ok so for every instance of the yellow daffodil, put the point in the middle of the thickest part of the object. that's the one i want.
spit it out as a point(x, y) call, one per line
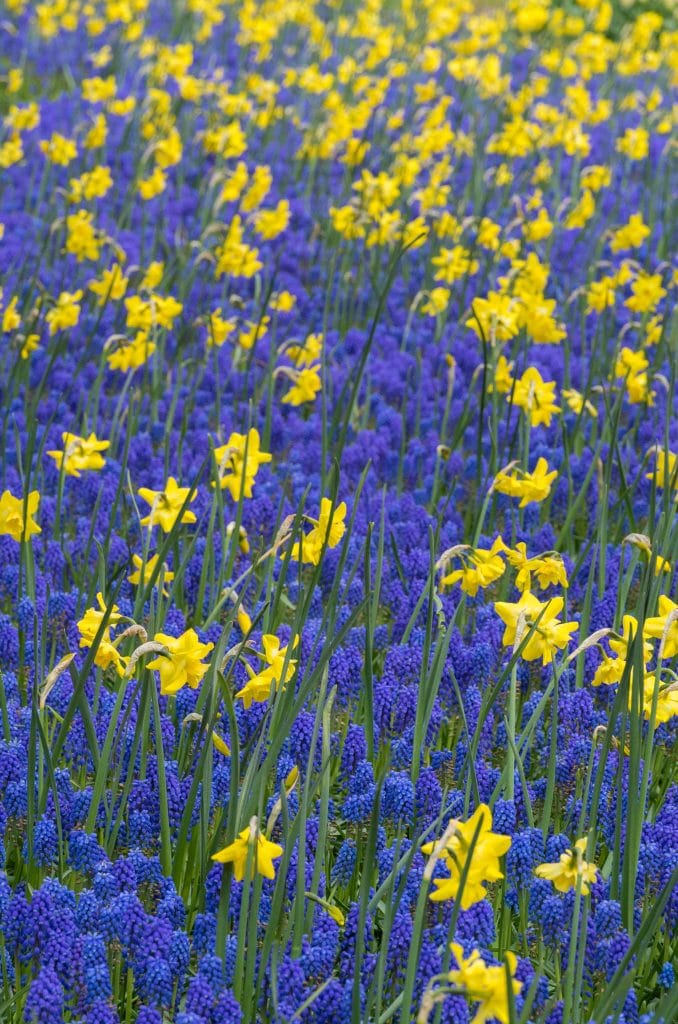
point(106, 654)
point(238, 463)
point(80, 453)
point(65, 312)
point(529, 487)
point(183, 666)
point(549, 636)
point(571, 867)
point(535, 396)
point(456, 850)
point(251, 845)
point(166, 505)
point(273, 675)
point(664, 626)
point(309, 549)
point(13, 523)
point(482, 566)
point(488, 986)
point(136, 577)
point(306, 385)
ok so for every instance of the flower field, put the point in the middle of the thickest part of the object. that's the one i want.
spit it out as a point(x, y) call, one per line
point(338, 512)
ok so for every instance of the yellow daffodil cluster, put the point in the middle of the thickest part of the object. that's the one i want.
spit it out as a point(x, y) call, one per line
point(659, 688)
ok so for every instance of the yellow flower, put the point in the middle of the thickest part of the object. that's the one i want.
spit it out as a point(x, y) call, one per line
point(487, 986)
point(529, 487)
point(166, 505)
point(601, 294)
point(631, 235)
point(31, 344)
point(234, 257)
point(620, 644)
point(666, 698)
point(539, 228)
point(132, 355)
point(96, 136)
point(660, 628)
point(235, 183)
point(10, 318)
point(309, 549)
point(15, 80)
point(65, 312)
point(165, 310)
point(346, 221)
point(260, 184)
point(456, 850)
point(153, 276)
point(253, 846)
point(634, 143)
point(283, 302)
point(153, 185)
point(494, 318)
point(238, 463)
point(595, 177)
point(306, 354)
point(220, 744)
point(549, 569)
point(548, 636)
point(106, 654)
point(98, 90)
point(647, 291)
point(535, 396)
point(454, 264)
point(11, 151)
point(183, 666)
point(578, 403)
point(59, 150)
point(631, 366)
point(258, 687)
point(436, 302)
point(531, 17)
point(482, 567)
point(91, 620)
point(139, 313)
point(306, 385)
point(218, 329)
point(149, 568)
point(503, 381)
point(94, 184)
point(82, 240)
point(271, 223)
point(168, 151)
point(666, 472)
point(80, 453)
point(581, 214)
point(111, 285)
point(565, 872)
point(538, 319)
point(488, 234)
point(12, 521)
point(248, 338)
point(609, 671)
